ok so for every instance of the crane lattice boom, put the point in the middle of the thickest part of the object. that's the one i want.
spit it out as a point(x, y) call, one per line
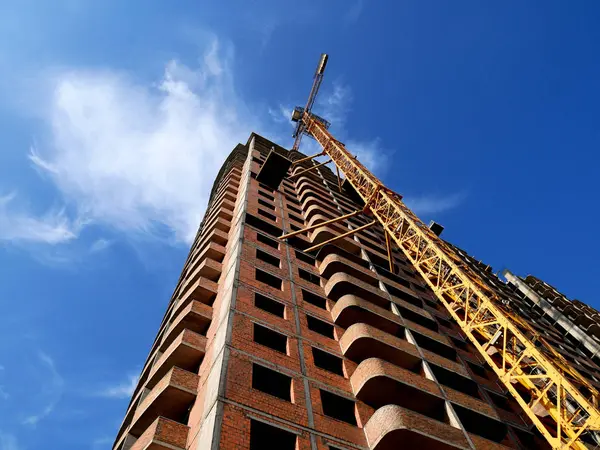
point(522, 360)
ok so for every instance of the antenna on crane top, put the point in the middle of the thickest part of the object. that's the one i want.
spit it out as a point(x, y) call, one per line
point(299, 110)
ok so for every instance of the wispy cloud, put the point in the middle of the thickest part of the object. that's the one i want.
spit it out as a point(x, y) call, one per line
point(141, 157)
point(123, 389)
point(19, 226)
point(354, 12)
point(8, 441)
point(52, 390)
point(100, 245)
point(434, 204)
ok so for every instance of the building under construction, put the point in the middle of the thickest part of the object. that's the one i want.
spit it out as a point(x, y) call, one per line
point(316, 311)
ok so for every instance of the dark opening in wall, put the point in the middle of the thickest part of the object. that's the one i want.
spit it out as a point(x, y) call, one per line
point(339, 408)
point(269, 338)
point(263, 437)
point(305, 257)
point(455, 381)
point(458, 343)
point(265, 195)
point(481, 425)
point(296, 218)
point(318, 326)
point(477, 370)
point(269, 305)
point(296, 210)
point(434, 346)
point(417, 318)
point(265, 187)
point(267, 241)
point(404, 296)
point(267, 278)
point(271, 382)
point(263, 226)
point(266, 204)
point(310, 277)
point(327, 361)
point(266, 214)
point(268, 258)
point(501, 401)
point(314, 299)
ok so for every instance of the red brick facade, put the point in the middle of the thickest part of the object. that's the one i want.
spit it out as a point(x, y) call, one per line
point(351, 356)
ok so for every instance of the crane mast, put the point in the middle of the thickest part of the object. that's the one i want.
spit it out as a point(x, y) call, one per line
point(536, 375)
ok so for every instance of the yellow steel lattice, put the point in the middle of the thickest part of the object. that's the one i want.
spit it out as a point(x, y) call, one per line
point(559, 401)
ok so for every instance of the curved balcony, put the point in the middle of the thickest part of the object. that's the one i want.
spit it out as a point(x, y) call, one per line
point(361, 341)
point(195, 317)
point(378, 383)
point(349, 310)
point(170, 398)
point(163, 434)
point(325, 233)
point(392, 424)
point(332, 264)
point(185, 352)
point(341, 284)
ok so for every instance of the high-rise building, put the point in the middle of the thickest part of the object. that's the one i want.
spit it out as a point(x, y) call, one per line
point(265, 346)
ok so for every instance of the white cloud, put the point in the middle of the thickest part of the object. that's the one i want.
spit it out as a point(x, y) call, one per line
point(100, 245)
point(434, 204)
point(121, 390)
point(281, 114)
point(8, 441)
point(52, 390)
point(20, 226)
point(141, 157)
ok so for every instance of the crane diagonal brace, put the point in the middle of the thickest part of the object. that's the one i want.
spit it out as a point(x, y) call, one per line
point(449, 277)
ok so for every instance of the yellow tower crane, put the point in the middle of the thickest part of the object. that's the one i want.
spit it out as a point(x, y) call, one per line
point(561, 403)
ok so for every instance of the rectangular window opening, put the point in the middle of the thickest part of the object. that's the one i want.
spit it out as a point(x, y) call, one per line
point(296, 218)
point(318, 326)
point(455, 381)
point(265, 195)
point(266, 204)
point(434, 346)
point(327, 361)
point(314, 299)
point(263, 226)
point(269, 338)
point(337, 407)
point(294, 209)
point(269, 305)
point(418, 318)
point(310, 277)
point(305, 257)
point(267, 278)
point(268, 215)
point(271, 382)
point(263, 436)
point(268, 258)
point(267, 241)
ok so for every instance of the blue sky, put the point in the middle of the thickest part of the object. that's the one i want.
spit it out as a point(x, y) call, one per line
point(115, 116)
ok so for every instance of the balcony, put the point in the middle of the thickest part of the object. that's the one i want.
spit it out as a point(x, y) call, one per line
point(392, 424)
point(201, 289)
point(171, 398)
point(333, 264)
point(350, 309)
point(185, 352)
point(361, 341)
point(163, 434)
point(341, 284)
point(378, 383)
point(195, 317)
